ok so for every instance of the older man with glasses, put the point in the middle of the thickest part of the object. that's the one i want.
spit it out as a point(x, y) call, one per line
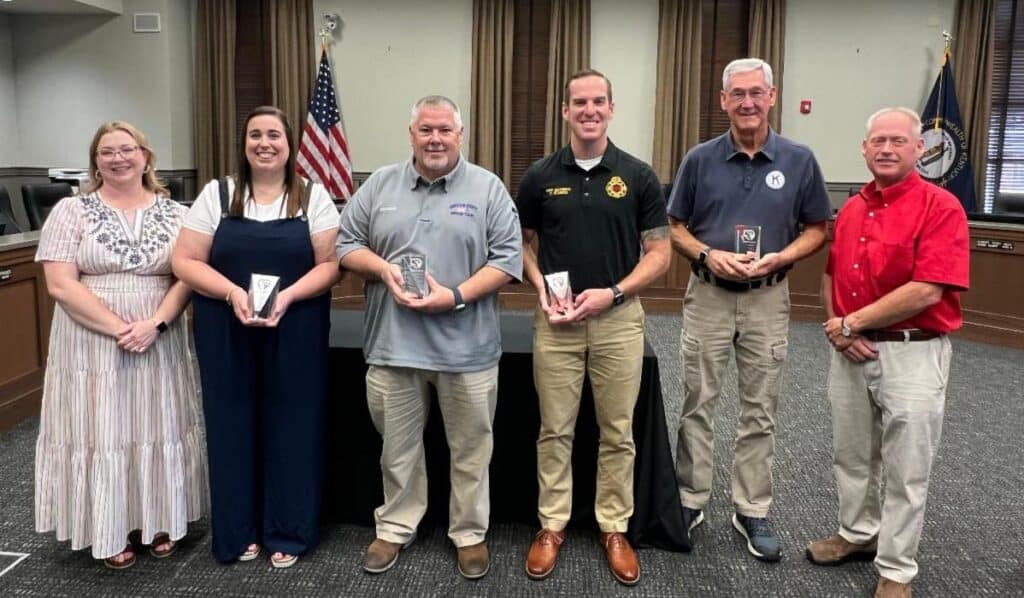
point(745, 206)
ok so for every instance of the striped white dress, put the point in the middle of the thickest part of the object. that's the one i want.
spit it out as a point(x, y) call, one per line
point(120, 442)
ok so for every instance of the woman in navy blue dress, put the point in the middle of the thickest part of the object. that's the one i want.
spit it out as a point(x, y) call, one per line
point(264, 380)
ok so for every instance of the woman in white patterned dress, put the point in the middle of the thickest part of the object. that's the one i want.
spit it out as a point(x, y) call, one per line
point(120, 445)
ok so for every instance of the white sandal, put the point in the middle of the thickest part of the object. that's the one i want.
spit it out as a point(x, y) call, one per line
point(251, 552)
point(286, 561)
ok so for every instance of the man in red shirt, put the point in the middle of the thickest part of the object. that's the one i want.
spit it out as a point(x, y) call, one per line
point(899, 258)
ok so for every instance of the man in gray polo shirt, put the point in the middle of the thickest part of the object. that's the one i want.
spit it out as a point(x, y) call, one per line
point(744, 208)
point(460, 219)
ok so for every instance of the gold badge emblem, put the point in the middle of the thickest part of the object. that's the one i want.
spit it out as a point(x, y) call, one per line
point(616, 188)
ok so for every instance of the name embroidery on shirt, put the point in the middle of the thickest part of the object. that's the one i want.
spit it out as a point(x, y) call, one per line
point(558, 191)
point(616, 188)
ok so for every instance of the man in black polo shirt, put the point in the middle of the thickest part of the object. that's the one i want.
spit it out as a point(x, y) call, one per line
point(592, 208)
point(744, 207)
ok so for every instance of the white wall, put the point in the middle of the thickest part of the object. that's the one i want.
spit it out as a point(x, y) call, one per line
point(630, 61)
point(8, 106)
point(389, 54)
point(74, 72)
point(851, 58)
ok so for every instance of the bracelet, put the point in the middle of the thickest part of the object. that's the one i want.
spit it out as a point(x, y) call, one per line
point(227, 298)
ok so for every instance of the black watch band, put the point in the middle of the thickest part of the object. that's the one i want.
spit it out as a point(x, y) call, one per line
point(617, 296)
point(459, 303)
point(161, 327)
point(702, 257)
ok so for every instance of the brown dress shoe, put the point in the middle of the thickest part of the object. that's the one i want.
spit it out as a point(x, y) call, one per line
point(474, 561)
point(837, 550)
point(381, 555)
point(888, 588)
point(543, 555)
point(621, 558)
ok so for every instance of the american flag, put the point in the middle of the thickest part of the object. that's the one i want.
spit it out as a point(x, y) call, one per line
point(323, 153)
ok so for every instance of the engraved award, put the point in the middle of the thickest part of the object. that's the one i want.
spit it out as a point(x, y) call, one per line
point(263, 289)
point(559, 291)
point(748, 240)
point(414, 273)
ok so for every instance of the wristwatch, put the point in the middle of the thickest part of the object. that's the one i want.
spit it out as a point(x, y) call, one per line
point(459, 303)
point(702, 257)
point(617, 296)
point(161, 327)
point(844, 329)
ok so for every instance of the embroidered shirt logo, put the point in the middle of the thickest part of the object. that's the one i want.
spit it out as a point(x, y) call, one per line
point(775, 179)
point(462, 209)
point(616, 188)
point(558, 191)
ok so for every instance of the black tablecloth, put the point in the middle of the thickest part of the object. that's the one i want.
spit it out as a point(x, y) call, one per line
point(353, 480)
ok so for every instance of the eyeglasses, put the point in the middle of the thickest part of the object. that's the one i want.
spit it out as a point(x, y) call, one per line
point(109, 153)
point(879, 142)
point(756, 95)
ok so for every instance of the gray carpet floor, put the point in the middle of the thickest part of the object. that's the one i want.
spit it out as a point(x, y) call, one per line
point(972, 544)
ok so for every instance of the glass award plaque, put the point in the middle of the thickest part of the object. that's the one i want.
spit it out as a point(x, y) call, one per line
point(559, 291)
point(748, 240)
point(414, 273)
point(263, 289)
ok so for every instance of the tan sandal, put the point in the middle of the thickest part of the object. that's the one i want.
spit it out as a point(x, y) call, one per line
point(251, 552)
point(163, 546)
point(113, 563)
point(285, 560)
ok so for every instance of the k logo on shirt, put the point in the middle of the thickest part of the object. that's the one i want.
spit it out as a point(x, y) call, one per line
point(775, 179)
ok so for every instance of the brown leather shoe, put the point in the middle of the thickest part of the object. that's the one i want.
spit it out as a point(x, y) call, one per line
point(888, 588)
point(381, 555)
point(474, 561)
point(621, 558)
point(837, 550)
point(543, 555)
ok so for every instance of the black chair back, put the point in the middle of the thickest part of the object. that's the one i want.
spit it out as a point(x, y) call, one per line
point(8, 225)
point(175, 187)
point(40, 199)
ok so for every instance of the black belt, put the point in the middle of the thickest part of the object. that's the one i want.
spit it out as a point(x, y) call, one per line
point(898, 336)
point(737, 286)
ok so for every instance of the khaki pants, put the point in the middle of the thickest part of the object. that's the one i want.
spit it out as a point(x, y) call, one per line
point(399, 401)
point(610, 347)
point(717, 323)
point(887, 420)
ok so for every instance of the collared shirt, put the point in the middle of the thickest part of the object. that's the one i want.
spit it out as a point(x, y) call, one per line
point(461, 222)
point(589, 222)
point(911, 231)
point(718, 188)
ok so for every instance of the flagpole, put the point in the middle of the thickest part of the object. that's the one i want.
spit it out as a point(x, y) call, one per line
point(947, 38)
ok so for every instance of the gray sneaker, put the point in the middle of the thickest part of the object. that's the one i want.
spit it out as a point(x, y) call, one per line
point(761, 540)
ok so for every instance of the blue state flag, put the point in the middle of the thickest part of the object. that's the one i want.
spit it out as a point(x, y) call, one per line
point(945, 161)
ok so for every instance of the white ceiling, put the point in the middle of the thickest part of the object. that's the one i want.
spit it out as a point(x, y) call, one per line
point(62, 7)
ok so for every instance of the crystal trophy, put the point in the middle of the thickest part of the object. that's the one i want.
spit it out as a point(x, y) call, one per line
point(748, 240)
point(263, 289)
point(559, 291)
point(414, 273)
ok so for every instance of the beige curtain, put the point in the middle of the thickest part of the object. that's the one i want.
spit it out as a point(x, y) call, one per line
point(568, 52)
point(214, 89)
point(294, 52)
point(490, 133)
point(677, 91)
point(767, 41)
point(974, 31)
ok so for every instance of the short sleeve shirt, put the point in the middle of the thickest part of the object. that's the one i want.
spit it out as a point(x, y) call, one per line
point(718, 188)
point(910, 231)
point(460, 223)
point(205, 214)
point(589, 222)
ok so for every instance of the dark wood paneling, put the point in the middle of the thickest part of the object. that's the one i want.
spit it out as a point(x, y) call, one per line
point(25, 313)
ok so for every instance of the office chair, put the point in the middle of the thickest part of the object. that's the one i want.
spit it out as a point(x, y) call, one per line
point(40, 199)
point(8, 225)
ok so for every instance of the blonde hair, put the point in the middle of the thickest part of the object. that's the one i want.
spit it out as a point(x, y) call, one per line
point(149, 179)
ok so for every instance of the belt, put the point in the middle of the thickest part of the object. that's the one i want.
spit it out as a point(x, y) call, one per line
point(738, 286)
point(898, 336)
